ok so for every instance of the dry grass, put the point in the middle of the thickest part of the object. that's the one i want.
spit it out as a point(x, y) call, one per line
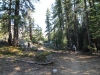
point(15, 51)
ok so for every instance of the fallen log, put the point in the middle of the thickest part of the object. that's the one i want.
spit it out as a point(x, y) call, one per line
point(33, 62)
point(46, 63)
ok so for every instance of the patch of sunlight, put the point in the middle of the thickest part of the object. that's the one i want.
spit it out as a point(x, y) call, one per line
point(84, 57)
point(92, 71)
point(41, 48)
point(89, 72)
point(65, 57)
point(71, 59)
point(86, 73)
point(81, 61)
point(14, 73)
point(75, 72)
point(17, 68)
point(48, 73)
point(28, 70)
point(31, 54)
point(62, 67)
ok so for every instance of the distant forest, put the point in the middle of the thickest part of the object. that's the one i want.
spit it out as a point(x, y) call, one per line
point(74, 22)
point(68, 22)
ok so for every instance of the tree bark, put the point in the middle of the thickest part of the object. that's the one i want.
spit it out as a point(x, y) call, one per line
point(76, 26)
point(9, 25)
point(15, 40)
point(30, 28)
point(87, 22)
point(68, 28)
point(87, 33)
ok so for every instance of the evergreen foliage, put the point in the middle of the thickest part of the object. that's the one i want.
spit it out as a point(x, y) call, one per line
point(68, 22)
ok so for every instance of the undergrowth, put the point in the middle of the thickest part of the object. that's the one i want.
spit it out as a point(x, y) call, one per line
point(42, 56)
point(15, 51)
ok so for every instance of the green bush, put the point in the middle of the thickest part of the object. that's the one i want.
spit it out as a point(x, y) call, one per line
point(92, 49)
point(34, 40)
point(42, 56)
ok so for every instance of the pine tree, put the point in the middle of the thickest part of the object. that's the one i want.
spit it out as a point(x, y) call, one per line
point(48, 24)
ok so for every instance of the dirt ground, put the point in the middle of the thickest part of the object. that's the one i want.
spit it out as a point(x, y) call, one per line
point(65, 63)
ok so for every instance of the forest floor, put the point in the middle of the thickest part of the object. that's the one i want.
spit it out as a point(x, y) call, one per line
point(66, 64)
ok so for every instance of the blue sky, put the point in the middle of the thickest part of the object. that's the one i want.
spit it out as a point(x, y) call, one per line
point(40, 12)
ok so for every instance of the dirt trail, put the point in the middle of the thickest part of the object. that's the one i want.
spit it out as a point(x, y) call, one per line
point(66, 64)
point(77, 64)
point(74, 65)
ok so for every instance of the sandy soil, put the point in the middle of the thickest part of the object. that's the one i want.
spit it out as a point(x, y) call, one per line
point(65, 63)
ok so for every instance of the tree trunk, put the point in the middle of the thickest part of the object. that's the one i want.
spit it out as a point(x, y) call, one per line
point(9, 25)
point(76, 26)
point(68, 34)
point(30, 33)
point(30, 27)
point(87, 22)
point(15, 40)
point(86, 38)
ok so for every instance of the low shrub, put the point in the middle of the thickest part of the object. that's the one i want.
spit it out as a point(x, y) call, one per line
point(28, 54)
point(10, 50)
point(41, 56)
point(92, 49)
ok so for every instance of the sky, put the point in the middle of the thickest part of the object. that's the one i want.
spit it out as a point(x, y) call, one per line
point(40, 12)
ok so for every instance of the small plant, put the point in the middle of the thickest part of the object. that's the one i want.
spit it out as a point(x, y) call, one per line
point(42, 56)
point(10, 50)
point(89, 47)
point(92, 49)
point(28, 54)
